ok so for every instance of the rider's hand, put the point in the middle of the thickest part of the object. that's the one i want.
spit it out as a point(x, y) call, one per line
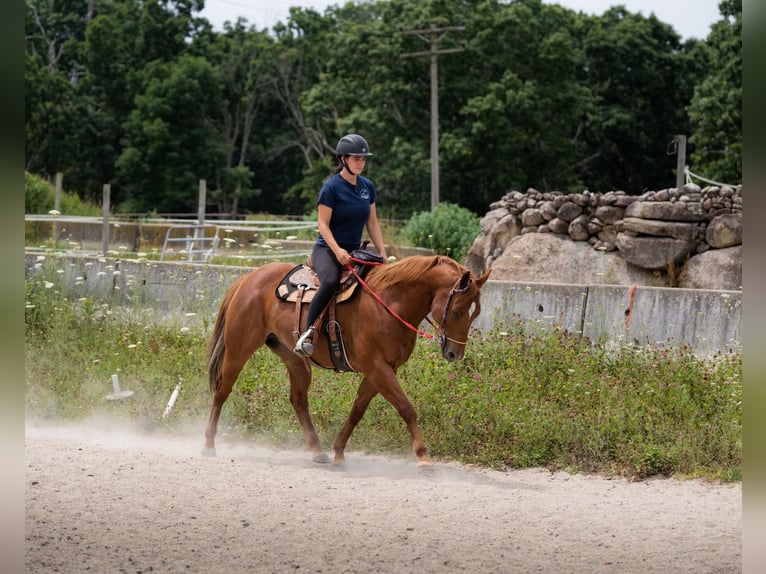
point(343, 257)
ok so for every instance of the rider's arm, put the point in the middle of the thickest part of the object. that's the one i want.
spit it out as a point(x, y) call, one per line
point(323, 221)
point(373, 228)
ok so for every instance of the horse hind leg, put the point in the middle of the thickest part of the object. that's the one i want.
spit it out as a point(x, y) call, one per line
point(364, 395)
point(225, 383)
point(300, 379)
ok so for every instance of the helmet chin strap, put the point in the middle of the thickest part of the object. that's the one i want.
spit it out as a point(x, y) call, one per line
point(345, 164)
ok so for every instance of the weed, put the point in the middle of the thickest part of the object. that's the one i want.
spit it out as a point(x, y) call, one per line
point(520, 398)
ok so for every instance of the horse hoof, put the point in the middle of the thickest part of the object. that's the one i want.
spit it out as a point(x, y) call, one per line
point(208, 452)
point(426, 466)
point(321, 458)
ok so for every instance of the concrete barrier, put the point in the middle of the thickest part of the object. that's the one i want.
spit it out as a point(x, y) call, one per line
point(707, 321)
point(504, 303)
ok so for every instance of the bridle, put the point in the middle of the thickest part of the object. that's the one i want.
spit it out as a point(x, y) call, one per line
point(440, 330)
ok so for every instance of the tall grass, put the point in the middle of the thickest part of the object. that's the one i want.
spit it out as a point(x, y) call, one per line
point(519, 399)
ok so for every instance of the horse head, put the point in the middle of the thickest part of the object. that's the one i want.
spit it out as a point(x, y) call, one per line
point(458, 306)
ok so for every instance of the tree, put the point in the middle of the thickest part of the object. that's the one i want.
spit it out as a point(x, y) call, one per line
point(716, 107)
point(520, 123)
point(52, 65)
point(124, 39)
point(238, 57)
point(638, 72)
point(145, 95)
point(171, 136)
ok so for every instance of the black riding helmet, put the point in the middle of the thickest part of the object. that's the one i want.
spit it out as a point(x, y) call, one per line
point(351, 144)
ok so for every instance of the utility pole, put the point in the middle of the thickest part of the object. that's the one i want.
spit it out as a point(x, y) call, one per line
point(434, 34)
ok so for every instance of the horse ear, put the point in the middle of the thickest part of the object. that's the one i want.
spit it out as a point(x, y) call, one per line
point(483, 279)
point(465, 280)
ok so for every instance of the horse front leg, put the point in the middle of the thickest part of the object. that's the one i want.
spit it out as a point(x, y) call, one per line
point(387, 385)
point(364, 395)
point(405, 409)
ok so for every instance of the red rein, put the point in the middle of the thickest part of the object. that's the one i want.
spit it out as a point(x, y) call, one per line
point(385, 306)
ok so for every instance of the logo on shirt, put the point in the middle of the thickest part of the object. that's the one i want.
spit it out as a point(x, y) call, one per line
point(364, 193)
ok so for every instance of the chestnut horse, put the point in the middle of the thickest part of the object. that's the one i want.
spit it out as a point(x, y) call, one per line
point(377, 342)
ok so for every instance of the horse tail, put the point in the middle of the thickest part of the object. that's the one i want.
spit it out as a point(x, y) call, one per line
point(216, 347)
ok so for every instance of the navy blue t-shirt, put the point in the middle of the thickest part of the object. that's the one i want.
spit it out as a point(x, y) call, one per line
point(350, 209)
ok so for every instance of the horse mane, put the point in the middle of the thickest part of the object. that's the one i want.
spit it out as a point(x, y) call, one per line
point(408, 270)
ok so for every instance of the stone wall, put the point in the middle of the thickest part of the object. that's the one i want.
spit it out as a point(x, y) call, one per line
point(658, 232)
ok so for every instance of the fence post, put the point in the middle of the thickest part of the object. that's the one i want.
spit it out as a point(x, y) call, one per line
point(105, 218)
point(680, 162)
point(57, 207)
point(199, 232)
point(201, 202)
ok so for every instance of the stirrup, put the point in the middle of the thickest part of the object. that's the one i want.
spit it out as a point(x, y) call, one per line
point(305, 344)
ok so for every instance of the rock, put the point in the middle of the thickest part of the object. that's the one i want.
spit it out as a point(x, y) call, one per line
point(674, 229)
point(569, 212)
point(608, 237)
point(666, 211)
point(609, 213)
point(547, 258)
point(578, 229)
point(559, 226)
point(531, 218)
point(714, 269)
point(547, 210)
point(595, 225)
point(624, 200)
point(492, 217)
point(654, 252)
point(506, 227)
point(724, 231)
point(660, 232)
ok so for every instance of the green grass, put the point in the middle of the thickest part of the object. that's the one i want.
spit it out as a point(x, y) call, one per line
point(518, 399)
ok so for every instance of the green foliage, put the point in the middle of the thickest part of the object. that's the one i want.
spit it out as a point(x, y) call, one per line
point(39, 195)
point(716, 108)
point(171, 143)
point(147, 97)
point(520, 398)
point(40, 198)
point(642, 80)
point(448, 230)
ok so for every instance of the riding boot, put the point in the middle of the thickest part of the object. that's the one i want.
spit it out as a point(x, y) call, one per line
point(305, 344)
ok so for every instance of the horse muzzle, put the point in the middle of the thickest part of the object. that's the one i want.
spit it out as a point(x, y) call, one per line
point(453, 352)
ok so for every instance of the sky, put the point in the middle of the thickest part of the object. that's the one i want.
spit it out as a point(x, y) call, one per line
point(689, 18)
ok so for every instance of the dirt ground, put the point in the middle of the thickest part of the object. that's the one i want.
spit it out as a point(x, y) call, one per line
point(113, 501)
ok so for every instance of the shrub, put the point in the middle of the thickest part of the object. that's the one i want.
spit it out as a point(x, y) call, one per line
point(39, 195)
point(40, 198)
point(449, 230)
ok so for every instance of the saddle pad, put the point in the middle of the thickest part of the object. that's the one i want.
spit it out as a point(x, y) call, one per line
point(301, 276)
